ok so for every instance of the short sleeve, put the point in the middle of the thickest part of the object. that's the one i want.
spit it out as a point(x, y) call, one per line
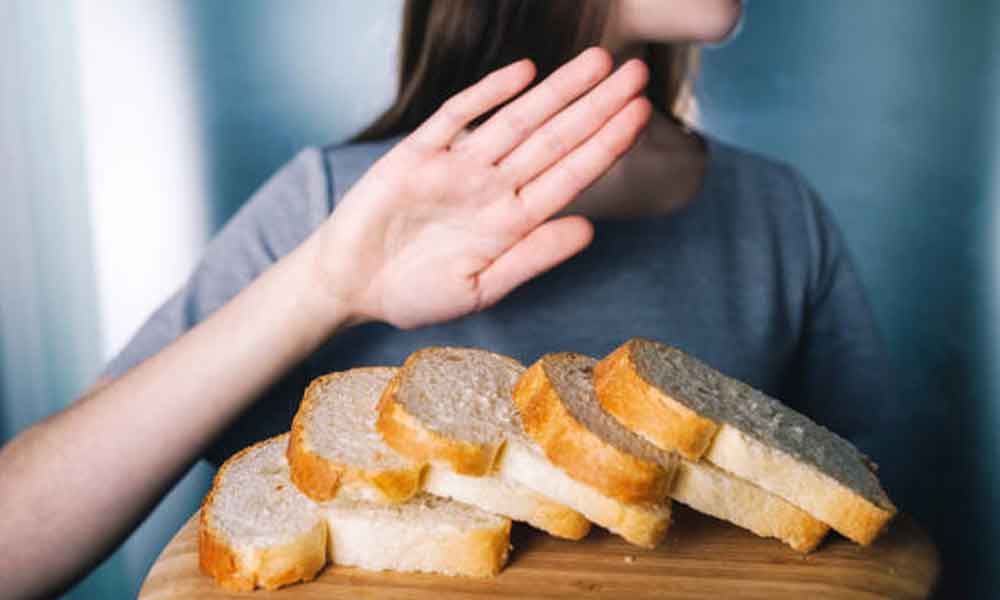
point(277, 218)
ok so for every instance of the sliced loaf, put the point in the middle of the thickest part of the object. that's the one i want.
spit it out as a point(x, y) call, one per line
point(334, 447)
point(426, 533)
point(256, 529)
point(712, 491)
point(451, 406)
point(438, 390)
point(560, 412)
point(682, 404)
point(334, 442)
point(508, 498)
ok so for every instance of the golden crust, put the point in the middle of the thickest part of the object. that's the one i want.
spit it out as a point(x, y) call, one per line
point(217, 560)
point(645, 409)
point(482, 553)
point(408, 436)
point(560, 521)
point(320, 478)
point(270, 568)
point(816, 493)
point(857, 519)
point(568, 444)
point(722, 495)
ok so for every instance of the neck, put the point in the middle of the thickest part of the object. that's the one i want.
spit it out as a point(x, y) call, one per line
point(660, 174)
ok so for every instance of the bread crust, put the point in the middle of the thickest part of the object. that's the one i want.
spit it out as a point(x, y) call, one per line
point(817, 493)
point(405, 434)
point(493, 493)
point(712, 491)
point(586, 457)
point(646, 410)
point(640, 524)
point(270, 568)
point(560, 521)
point(319, 478)
point(481, 553)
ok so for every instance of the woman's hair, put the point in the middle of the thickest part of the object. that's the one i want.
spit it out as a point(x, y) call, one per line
point(447, 45)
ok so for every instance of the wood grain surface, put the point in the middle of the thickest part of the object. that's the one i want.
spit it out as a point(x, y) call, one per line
point(701, 558)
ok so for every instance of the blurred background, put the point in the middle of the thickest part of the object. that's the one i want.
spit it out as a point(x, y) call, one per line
point(130, 132)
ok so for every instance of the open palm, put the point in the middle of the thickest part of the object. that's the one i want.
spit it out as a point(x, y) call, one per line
point(448, 222)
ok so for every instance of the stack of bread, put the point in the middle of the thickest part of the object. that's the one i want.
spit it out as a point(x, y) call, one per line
point(423, 467)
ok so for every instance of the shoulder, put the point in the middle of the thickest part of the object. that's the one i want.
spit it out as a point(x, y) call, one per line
point(752, 177)
point(761, 192)
point(345, 163)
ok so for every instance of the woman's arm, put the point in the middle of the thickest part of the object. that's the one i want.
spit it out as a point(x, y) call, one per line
point(436, 229)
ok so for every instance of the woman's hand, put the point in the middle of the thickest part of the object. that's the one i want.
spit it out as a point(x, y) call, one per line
point(448, 222)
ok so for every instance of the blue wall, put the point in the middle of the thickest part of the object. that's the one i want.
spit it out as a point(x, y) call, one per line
point(889, 108)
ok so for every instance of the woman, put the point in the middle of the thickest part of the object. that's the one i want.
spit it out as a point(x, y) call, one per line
point(476, 211)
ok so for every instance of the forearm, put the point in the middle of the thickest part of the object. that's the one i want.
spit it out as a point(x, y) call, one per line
point(116, 451)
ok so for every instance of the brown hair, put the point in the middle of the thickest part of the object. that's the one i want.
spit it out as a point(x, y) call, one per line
point(447, 45)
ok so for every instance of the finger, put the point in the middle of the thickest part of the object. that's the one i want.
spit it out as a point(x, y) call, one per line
point(555, 188)
point(514, 123)
point(544, 247)
point(572, 126)
point(461, 109)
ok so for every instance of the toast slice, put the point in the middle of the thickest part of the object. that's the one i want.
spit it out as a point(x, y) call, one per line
point(334, 447)
point(643, 525)
point(257, 529)
point(453, 407)
point(560, 412)
point(334, 443)
point(679, 403)
point(714, 492)
point(508, 498)
point(427, 534)
point(558, 395)
point(450, 406)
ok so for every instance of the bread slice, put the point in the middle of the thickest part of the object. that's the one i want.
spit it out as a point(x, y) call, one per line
point(256, 529)
point(714, 492)
point(334, 447)
point(334, 443)
point(682, 404)
point(560, 412)
point(426, 533)
point(507, 498)
point(641, 524)
point(451, 406)
point(438, 390)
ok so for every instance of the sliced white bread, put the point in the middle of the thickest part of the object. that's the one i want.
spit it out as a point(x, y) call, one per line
point(679, 403)
point(256, 529)
point(640, 524)
point(334, 442)
point(558, 395)
point(560, 412)
point(427, 533)
point(334, 447)
point(712, 491)
point(453, 407)
point(508, 498)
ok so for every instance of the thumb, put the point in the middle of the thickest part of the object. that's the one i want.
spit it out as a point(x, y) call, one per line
point(544, 247)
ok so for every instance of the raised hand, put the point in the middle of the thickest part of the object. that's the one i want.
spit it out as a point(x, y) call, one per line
point(449, 221)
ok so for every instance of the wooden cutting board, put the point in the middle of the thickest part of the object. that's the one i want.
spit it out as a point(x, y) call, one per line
point(702, 557)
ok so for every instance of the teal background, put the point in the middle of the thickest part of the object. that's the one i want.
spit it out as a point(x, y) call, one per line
point(890, 108)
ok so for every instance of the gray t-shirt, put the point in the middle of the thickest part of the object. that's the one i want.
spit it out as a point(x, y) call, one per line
point(752, 277)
